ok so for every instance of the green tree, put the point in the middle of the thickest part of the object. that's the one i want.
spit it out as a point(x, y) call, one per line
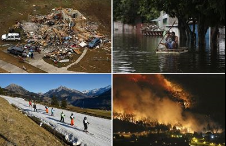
point(1, 91)
point(132, 11)
point(147, 10)
point(184, 10)
point(54, 101)
point(207, 13)
point(211, 13)
point(64, 103)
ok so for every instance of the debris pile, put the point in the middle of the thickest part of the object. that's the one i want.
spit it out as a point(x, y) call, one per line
point(62, 33)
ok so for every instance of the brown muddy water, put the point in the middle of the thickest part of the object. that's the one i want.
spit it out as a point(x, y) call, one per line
point(134, 53)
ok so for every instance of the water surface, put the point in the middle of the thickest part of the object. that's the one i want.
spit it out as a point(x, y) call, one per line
point(134, 53)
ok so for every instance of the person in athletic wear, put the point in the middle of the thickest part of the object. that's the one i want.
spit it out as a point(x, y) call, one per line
point(30, 103)
point(62, 117)
point(85, 123)
point(52, 112)
point(47, 109)
point(35, 107)
point(72, 119)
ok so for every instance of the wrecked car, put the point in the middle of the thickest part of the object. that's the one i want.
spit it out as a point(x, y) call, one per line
point(17, 51)
point(95, 42)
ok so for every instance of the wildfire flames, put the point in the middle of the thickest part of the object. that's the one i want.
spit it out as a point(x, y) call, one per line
point(160, 82)
point(155, 98)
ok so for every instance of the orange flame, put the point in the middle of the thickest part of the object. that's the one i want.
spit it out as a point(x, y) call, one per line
point(130, 98)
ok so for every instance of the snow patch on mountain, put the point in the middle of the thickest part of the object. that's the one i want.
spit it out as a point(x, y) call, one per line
point(96, 92)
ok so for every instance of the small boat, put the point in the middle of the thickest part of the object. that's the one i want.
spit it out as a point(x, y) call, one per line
point(180, 50)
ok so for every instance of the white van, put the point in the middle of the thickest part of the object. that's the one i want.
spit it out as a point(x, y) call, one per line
point(11, 37)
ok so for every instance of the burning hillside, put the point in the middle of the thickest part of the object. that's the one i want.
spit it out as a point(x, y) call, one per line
point(155, 98)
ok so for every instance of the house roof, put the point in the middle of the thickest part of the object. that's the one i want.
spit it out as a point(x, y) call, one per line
point(161, 17)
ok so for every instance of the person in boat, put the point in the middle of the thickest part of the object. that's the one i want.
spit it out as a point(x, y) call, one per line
point(171, 41)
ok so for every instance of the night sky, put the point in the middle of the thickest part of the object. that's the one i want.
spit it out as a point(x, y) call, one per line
point(208, 92)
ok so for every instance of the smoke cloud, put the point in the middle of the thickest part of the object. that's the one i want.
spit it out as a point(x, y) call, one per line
point(155, 98)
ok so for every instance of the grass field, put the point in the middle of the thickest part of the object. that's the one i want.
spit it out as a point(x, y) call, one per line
point(3, 71)
point(16, 128)
point(93, 112)
point(15, 61)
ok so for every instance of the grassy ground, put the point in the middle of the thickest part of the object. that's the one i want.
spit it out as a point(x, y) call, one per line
point(15, 61)
point(92, 112)
point(95, 61)
point(3, 141)
point(3, 71)
point(95, 10)
point(20, 130)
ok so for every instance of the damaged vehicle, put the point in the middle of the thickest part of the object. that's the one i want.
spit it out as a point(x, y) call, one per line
point(11, 37)
point(17, 51)
point(95, 42)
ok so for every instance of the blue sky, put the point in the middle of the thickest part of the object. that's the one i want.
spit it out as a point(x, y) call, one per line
point(44, 82)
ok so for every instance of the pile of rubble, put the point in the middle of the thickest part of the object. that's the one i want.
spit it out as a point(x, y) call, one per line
point(61, 33)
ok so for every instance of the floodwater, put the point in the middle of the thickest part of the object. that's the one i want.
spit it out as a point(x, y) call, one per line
point(134, 53)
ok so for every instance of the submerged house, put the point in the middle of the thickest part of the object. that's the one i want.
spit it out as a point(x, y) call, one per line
point(165, 22)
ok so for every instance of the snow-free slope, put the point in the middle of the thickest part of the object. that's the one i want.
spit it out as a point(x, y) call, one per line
point(17, 129)
point(100, 129)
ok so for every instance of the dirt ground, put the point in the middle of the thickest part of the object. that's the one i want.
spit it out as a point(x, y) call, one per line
point(20, 130)
point(95, 10)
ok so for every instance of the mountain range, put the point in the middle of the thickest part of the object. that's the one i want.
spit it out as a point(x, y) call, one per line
point(103, 101)
point(96, 92)
point(17, 89)
point(64, 92)
point(97, 98)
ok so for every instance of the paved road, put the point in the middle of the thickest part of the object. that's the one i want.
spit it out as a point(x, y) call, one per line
point(11, 68)
point(79, 59)
point(40, 63)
